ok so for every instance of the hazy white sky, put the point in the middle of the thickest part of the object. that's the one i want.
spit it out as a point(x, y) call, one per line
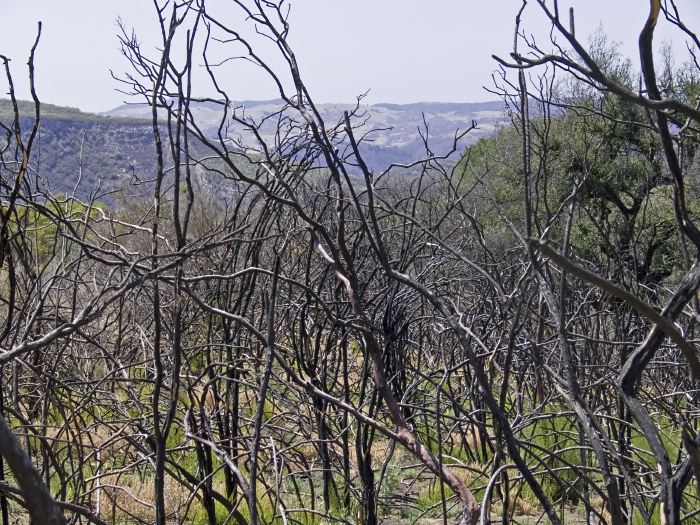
point(401, 50)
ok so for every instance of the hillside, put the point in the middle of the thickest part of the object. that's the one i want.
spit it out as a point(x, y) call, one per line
point(119, 143)
point(107, 147)
point(394, 137)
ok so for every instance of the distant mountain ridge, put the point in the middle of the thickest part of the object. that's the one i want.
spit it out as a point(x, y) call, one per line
point(118, 144)
point(395, 136)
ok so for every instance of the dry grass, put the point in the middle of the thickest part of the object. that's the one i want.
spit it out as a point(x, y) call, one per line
point(128, 497)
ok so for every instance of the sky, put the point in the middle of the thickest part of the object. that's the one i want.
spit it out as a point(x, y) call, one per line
point(401, 51)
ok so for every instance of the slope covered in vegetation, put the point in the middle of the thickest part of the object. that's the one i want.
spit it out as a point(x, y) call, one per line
point(71, 144)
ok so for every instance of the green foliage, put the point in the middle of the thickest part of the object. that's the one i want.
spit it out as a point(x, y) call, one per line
point(603, 151)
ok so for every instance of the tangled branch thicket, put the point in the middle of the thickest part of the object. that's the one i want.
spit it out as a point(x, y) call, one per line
point(281, 334)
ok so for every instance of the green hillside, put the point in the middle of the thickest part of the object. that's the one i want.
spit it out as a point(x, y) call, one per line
point(108, 148)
